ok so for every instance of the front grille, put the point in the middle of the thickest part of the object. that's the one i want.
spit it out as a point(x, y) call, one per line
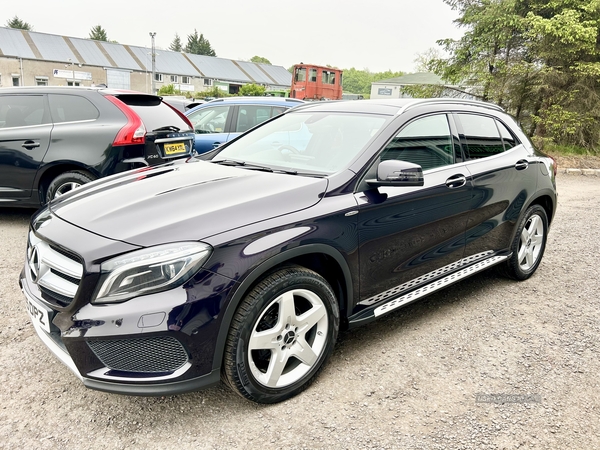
point(56, 272)
point(162, 354)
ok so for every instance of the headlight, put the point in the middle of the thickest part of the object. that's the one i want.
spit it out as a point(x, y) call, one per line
point(149, 270)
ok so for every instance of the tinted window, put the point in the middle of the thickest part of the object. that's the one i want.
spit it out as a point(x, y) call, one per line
point(22, 111)
point(153, 114)
point(251, 115)
point(509, 140)
point(426, 141)
point(71, 108)
point(481, 133)
point(210, 120)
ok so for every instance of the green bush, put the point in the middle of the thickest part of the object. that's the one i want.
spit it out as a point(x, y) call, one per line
point(253, 90)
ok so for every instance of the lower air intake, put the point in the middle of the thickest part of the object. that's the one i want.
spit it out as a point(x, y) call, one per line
point(161, 354)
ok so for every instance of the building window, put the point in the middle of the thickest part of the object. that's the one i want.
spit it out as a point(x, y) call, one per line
point(41, 81)
point(174, 79)
point(328, 77)
point(185, 80)
point(16, 81)
point(207, 82)
point(158, 77)
point(312, 75)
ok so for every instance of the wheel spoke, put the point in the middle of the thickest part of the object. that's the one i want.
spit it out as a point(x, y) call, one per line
point(278, 361)
point(522, 252)
point(287, 310)
point(260, 340)
point(304, 352)
point(529, 257)
point(310, 318)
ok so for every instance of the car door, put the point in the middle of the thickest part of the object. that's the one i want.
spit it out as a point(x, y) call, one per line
point(410, 232)
point(211, 126)
point(25, 129)
point(503, 180)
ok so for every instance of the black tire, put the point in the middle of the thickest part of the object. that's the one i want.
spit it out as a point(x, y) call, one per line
point(66, 182)
point(528, 245)
point(259, 331)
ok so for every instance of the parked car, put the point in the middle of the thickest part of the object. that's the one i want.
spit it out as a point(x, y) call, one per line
point(183, 104)
point(243, 263)
point(223, 119)
point(53, 139)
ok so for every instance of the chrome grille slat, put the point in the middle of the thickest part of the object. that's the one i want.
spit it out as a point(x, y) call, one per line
point(55, 272)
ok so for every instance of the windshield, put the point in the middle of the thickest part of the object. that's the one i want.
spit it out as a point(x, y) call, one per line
point(318, 142)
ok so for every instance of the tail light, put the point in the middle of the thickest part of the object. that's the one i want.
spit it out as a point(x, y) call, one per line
point(134, 131)
point(180, 114)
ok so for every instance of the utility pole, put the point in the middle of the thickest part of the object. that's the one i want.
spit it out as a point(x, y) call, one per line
point(152, 34)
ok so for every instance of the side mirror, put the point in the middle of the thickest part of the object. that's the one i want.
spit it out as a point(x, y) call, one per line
point(398, 173)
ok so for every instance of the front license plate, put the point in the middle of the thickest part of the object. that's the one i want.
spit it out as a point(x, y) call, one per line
point(39, 313)
point(174, 149)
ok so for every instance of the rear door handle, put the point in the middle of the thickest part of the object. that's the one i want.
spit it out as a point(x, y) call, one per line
point(522, 164)
point(216, 144)
point(30, 144)
point(456, 181)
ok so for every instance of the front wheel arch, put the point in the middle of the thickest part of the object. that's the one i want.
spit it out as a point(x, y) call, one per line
point(294, 255)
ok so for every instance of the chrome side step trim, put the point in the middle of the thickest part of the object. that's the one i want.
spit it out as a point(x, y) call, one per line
point(437, 285)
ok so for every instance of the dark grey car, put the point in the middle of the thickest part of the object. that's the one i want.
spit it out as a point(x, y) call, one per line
point(55, 139)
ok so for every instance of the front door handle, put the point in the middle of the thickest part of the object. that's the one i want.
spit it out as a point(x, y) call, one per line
point(30, 144)
point(456, 181)
point(216, 144)
point(522, 164)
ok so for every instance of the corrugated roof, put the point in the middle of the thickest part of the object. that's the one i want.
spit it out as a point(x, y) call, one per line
point(90, 52)
point(279, 73)
point(53, 48)
point(218, 68)
point(413, 78)
point(120, 56)
point(13, 43)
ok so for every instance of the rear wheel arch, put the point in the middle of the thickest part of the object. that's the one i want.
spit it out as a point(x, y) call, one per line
point(310, 256)
point(51, 173)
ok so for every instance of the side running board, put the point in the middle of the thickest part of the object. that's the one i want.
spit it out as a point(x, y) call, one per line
point(437, 285)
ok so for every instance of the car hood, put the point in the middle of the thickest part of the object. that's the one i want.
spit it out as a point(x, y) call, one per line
point(184, 202)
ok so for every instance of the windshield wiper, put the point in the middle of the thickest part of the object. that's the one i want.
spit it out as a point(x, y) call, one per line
point(231, 162)
point(167, 128)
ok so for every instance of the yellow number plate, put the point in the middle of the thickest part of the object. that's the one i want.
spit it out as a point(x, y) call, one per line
point(173, 149)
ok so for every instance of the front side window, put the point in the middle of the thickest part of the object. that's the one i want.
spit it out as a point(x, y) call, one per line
point(482, 136)
point(300, 74)
point(71, 108)
point(210, 120)
point(426, 141)
point(22, 111)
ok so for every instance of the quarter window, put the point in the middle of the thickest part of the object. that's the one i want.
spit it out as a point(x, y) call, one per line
point(426, 141)
point(71, 108)
point(482, 136)
point(509, 140)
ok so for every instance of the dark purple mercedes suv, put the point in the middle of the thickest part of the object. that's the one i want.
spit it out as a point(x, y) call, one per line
point(242, 264)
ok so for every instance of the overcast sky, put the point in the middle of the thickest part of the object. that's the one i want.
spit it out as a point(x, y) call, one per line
point(376, 34)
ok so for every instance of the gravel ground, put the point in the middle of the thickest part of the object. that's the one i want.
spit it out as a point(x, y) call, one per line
point(410, 380)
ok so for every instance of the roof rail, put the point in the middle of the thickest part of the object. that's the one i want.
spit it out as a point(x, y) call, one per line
point(457, 101)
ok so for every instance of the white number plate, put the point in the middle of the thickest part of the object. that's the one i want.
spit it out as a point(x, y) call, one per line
point(39, 313)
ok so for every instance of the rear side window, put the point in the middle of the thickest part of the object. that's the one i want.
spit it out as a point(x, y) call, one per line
point(154, 113)
point(71, 108)
point(22, 111)
point(251, 115)
point(509, 140)
point(482, 136)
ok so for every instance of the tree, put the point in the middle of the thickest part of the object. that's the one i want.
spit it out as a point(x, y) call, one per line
point(540, 60)
point(260, 60)
point(176, 45)
point(15, 22)
point(252, 89)
point(98, 33)
point(199, 45)
point(359, 81)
